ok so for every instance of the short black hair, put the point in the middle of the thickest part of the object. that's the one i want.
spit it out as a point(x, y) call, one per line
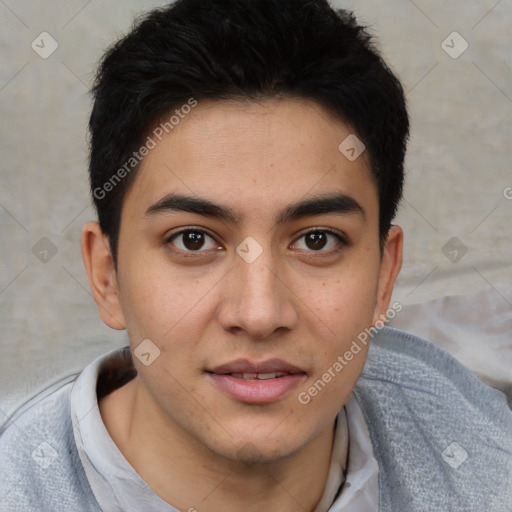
point(241, 49)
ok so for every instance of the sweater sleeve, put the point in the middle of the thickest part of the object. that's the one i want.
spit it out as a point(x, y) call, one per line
point(442, 438)
point(40, 470)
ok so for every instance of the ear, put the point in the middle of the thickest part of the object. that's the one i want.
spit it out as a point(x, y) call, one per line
point(99, 265)
point(391, 263)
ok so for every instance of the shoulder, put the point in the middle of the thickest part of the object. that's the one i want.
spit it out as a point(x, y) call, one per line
point(40, 467)
point(419, 368)
point(436, 429)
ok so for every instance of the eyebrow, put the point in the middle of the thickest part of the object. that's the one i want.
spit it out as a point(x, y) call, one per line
point(337, 203)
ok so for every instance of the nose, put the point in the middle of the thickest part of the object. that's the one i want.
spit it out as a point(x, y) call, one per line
point(256, 300)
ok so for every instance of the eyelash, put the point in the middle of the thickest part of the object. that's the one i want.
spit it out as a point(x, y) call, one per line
point(342, 240)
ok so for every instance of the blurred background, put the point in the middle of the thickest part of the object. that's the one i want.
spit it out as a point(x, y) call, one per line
point(454, 59)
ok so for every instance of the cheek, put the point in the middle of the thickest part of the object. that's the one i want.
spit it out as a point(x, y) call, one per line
point(330, 387)
point(344, 301)
point(341, 308)
point(157, 302)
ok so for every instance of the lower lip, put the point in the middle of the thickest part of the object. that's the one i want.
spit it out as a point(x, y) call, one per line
point(257, 391)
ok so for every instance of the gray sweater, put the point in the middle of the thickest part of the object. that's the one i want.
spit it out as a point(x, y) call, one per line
point(442, 438)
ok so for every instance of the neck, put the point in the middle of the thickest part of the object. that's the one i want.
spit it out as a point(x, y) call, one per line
point(190, 477)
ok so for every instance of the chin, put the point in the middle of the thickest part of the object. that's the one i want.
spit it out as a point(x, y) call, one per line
point(258, 450)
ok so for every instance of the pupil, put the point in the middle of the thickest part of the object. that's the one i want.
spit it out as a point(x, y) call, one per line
point(316, 240)
point(193, 240)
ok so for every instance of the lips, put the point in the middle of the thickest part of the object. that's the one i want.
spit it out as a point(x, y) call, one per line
point(256, 382)
point(258, 376)
point(247, 367)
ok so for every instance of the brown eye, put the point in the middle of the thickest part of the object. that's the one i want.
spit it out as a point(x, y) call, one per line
point(192, 241)
point(319, 240)
point(316, 240)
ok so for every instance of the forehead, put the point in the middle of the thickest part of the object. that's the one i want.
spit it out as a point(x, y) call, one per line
point(256, 157)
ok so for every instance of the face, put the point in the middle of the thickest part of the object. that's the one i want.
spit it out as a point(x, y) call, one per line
point(249, 255)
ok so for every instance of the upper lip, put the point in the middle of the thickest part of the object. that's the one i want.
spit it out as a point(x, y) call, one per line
point(246, 366)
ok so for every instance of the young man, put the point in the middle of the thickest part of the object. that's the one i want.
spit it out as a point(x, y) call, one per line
point(246, 165)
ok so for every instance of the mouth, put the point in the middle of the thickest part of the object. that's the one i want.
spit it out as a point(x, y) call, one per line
point(256, 383)
point(258, 376)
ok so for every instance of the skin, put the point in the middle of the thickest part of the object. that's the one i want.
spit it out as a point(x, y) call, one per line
point(192, 444)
